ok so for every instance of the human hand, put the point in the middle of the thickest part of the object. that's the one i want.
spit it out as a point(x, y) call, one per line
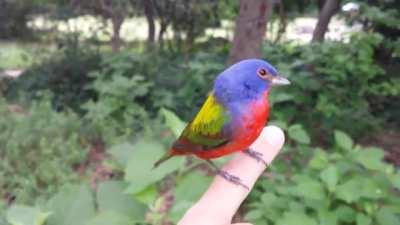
point(220, 202)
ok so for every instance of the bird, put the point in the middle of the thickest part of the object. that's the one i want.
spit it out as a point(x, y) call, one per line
point(231, 117)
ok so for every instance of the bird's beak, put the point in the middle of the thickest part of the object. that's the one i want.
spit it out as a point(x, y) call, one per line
point(279, 80)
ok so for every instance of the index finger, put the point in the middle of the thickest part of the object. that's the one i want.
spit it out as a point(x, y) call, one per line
point(222, 199)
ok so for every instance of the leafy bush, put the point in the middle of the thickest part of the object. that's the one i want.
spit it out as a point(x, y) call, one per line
point(116, 113)
point(334, 84)
point(39, 148)
point(170, 80)
point(64, 73)
point(346, 184)
point(343, 184)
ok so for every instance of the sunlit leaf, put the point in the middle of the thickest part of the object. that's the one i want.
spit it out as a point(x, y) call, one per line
point(187, 191)
point(139, 171)
point(72, 205)
point(311, 189)
point(385, 216)
point(110, 218)
point(296, 218)
point(330, 177)
point(343, 140)
point(363, 219)
point(349, 191)
point(173, 122)
point(297, 133)
point(25, 215)
point(371, 158)
point(111, 197)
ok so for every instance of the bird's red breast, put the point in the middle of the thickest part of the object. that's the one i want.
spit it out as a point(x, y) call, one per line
point(247, 130)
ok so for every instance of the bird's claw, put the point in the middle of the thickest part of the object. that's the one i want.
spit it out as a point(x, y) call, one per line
point(231, 178)
point(256, 155)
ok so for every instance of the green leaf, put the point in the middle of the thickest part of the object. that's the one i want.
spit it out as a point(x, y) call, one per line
point(297, 133)
point(110, 197)
point(385, 216)
point(371, 158)
point(279, 123)
point(188, 190)
point(72, 205)
point(148, 195)
point(268, 199)
point(139, 171)
point(311, 189)
point(319, 160)
point(330, 177)
point(296, 218)
point(345, 213)
point(349, 191)
point(25, 215)
point(278, 97)
point(254, 215)
point(395, 179)
point(363, 219)
point(122, 153)
point(173, 122)
point(371, 189)
point(326, 217)
point(343, 140)
point(110, 218)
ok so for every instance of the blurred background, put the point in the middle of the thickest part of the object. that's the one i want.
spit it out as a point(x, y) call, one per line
point(92, 92)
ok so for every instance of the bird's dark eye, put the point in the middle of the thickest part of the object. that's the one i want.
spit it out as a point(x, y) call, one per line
point(262, 73)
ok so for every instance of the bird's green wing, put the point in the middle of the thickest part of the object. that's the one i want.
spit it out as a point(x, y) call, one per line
point(208, 129)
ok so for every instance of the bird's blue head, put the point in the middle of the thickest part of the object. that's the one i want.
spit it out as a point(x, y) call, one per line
point(247, 79)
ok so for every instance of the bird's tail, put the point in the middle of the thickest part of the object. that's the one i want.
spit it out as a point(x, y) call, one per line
point(169, 154)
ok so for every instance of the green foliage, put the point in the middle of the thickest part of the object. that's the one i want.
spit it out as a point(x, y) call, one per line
point(128, 101)
point(116, 112)
point(152, 77)
point(322, 76)
point(138, 170)
point(19, 214)
point(64, 74)
point(19, 55)
point(347, 184)
point(39, 148)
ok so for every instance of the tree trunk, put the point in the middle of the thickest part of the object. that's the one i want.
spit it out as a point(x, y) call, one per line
point(328, 10)
point(149, 13)
point(116, 21)
point(282, 22)
point(250, 29)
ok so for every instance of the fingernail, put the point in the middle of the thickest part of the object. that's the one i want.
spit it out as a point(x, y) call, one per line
point(274, 136)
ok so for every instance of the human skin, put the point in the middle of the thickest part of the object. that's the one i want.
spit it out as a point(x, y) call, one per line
point(220, 202)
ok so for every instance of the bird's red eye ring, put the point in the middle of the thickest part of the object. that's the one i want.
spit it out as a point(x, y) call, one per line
point(262, 73)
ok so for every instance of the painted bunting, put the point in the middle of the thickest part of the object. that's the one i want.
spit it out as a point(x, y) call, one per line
point(232, 116)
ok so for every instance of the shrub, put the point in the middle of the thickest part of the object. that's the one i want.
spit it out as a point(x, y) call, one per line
point(334, 84)
point(39, 148)
point(64, 74)
point(345, 184)
point(116, 112)
point(170, 80)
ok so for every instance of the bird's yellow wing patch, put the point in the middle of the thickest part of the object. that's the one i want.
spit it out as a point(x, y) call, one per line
point(210, 119)
point(207, 127)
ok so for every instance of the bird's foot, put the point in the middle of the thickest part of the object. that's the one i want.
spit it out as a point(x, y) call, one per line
point(231, 178)
point(256, 155)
